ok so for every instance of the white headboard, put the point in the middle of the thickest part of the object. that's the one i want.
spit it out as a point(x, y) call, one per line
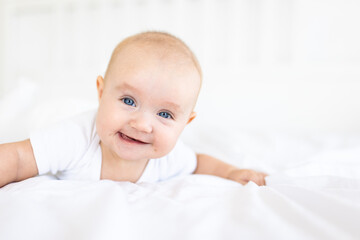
point(268, 65)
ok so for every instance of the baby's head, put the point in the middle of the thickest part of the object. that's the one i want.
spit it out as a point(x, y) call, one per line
point(147, 96)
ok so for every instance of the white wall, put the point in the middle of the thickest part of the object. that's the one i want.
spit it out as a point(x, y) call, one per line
point(268, 65)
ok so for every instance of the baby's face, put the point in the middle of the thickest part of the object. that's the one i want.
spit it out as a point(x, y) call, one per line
point(145, 103)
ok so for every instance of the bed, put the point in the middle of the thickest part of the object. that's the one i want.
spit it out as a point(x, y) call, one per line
point(312, 191)
point(282, 65)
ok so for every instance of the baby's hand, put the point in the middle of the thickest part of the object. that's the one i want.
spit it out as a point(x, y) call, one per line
point(243, 176)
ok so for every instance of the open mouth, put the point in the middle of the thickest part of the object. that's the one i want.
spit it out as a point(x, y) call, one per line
point(130, 139)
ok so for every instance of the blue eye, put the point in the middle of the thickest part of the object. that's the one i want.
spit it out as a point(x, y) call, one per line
point(165, 115)
point(128, 101)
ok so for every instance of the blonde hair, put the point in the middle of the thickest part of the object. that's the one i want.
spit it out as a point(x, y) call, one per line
point(166, 41)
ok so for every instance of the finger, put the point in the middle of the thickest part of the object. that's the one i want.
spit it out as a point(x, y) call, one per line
point(260, 179)
point(251, 175)
point(243, 182)
point(263, 183)
point(264, 176)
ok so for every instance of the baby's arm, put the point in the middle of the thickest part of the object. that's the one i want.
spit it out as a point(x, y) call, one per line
point(17, 162)
point(212, 166)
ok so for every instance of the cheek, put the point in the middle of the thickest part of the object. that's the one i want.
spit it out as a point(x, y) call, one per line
point(166, 139)
point(101, 126)
point(108, 120)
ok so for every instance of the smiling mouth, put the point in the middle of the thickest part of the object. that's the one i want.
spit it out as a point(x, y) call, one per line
point(130, 139)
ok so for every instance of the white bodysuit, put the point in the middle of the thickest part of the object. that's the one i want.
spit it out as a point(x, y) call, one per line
point(71, 150)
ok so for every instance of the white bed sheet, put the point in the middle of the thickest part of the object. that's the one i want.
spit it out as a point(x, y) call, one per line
point(313, 191)
point(191, 207)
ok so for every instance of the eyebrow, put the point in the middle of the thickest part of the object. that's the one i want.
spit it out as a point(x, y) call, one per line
point(172, 105)
point(126, 85)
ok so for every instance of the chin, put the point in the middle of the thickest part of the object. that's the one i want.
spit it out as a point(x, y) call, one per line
point(135, 156)
point(131, 156)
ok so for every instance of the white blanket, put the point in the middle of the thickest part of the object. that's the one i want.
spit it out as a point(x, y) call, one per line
point(191, 207)
point(313, 191)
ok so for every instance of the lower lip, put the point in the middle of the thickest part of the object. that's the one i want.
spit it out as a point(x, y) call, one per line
point(128, 140)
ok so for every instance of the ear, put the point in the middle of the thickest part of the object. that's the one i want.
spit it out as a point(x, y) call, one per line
point(192, 116)
point(100, 86)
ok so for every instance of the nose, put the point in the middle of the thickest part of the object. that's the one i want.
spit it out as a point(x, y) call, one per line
point(141, 122)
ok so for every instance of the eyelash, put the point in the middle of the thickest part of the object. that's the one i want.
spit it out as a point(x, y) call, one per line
point(126, 99)
point(130, 102)
point(170, 116)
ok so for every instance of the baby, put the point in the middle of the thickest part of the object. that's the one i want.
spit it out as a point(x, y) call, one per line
point(146, 99)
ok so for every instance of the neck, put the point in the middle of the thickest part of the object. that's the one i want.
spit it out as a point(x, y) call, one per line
point(117, 169)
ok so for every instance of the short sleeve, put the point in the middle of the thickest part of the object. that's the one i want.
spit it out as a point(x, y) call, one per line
point(57, 148)
point(180, 161)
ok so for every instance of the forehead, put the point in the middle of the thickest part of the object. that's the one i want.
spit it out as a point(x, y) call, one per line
point(146, 61)
point(155, 73)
